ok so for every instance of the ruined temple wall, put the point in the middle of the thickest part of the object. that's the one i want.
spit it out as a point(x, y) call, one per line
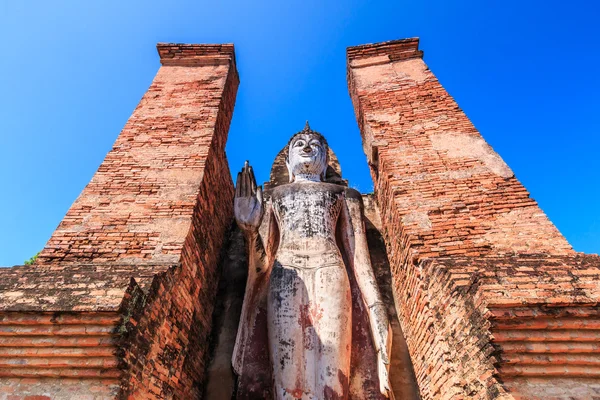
point(444, 193)
point(402, 375)
point(166, 344)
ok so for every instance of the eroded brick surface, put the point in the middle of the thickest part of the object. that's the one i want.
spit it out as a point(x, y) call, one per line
point(449, 191)
point(59, 355)
point(167, 336)
point(72, 287)
point(402, 376)
point(167, 345)
point(40, 388)
point(467, 245)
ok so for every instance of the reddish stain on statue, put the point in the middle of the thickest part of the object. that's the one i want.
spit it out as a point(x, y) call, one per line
point(331, 394)
point(316, 314)
point(296, 393)
point(304, 319)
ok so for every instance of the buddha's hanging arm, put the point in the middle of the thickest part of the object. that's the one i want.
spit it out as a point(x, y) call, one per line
point(358, 254)
point(249, 211)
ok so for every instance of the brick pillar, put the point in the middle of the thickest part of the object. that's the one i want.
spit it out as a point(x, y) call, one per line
point(120, 301)
point(139, 205)
point(468, 247)
point(189, 109)
point(452, 192)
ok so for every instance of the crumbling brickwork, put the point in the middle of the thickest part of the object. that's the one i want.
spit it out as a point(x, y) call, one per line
point(60, 329)
point(120, 301)
point(167, 346)
point(467, 245)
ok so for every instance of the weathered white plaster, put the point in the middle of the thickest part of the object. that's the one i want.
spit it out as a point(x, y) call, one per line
point(462, 145)
point(419, 218)
point(413, 69)
point(384, 117)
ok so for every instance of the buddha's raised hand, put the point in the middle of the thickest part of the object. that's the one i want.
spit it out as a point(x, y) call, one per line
point(248, 203)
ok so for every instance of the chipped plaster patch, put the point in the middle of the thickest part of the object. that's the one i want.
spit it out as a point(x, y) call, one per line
point(460, 145)
point(374, 76)
point(419, 218)
point(426, 126)
point(171, 230)
point(13, 294)
point(370, 61)
point(414, 69)
point(388, 118)
point(463, 173)
point(516, 231)
point(431, 125)
point(415, 128)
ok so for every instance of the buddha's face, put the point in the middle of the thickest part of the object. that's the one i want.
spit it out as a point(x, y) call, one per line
point(307, 156)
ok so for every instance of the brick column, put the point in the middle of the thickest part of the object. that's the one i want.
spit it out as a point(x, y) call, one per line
point(139, 205)
point(468, 247)
point(120, 300)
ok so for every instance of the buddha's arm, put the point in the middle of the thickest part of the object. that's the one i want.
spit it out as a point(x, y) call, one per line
point(261, 249)
point(260, 256)
point(358, 255)
point(249, 210)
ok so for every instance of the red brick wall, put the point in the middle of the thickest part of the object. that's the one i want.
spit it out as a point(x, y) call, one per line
point(446, 196)
point(167, 345)
point(58, 356)
point(167, 340)
point(60, 328)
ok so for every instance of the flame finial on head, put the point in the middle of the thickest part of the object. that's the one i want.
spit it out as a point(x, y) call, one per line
point(308, 130)
point(306, 127)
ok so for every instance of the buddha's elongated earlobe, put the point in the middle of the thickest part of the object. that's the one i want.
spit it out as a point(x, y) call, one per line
point(324, 173)
point(289, 168)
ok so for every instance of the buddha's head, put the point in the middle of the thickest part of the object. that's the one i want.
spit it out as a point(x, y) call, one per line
point(307, 156)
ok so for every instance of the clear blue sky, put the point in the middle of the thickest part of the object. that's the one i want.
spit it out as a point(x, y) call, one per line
point(71, 73)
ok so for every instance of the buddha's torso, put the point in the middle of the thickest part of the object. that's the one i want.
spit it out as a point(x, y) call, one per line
point(307, 215)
